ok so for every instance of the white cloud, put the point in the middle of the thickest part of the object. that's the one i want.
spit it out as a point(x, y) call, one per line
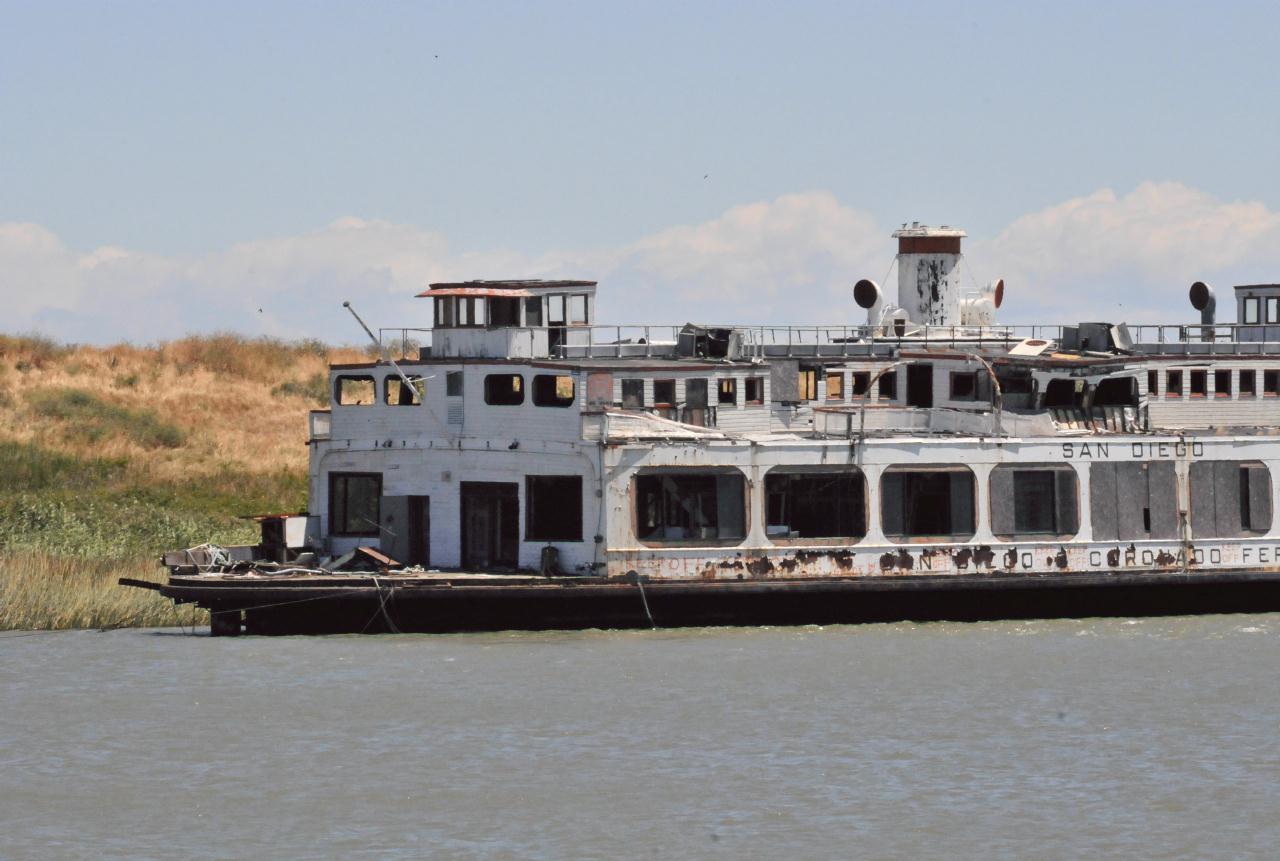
point(792, 259)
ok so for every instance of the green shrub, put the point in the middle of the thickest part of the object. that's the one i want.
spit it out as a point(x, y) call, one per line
point(93, 419)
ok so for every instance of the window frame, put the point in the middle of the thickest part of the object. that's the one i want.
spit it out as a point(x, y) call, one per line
point(518, 388)
point(1218, 390)
point(887, 386)
point(972, 377)
point(658, 402)
point(1054, 469)
point(943, 538)
point(1272, 305)
point(744, 492)
point(788, 471)
point(375, 528)
point(541, 398)
point(1172, 376)
point(756, 383)
point(1250, 389)
point(838, 376)
point(337, 389)
point(1254, 304)
point(419, 389)
point(1198, 378)
point(727, 391)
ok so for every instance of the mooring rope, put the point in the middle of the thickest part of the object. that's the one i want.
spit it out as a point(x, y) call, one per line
point(645, 601)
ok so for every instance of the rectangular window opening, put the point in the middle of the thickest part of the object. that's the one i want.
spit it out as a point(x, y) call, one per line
point(755, 390)
point(633, 394)
point(964, 386)
point(453, 384)
point(504, 390)
point(1173, 384)
point(1199, 383)
point(889, 386)
point(835, 387)
point(664, 393)
point(859, 383)
point(1248, 384)
point(1034, 500)
point(1271, 383)
point(1222, 384)
point(727, 390)
point(553, 390)
point(354, 499)
point(690, 506)
point(399, 394)
point(920, 504)
point(1251, 304)
point(578, 310)
point(1153, 383)
point(355, 390)
point(553, 507)
point(1273, 309)
point(815, 505)
point(808, 384)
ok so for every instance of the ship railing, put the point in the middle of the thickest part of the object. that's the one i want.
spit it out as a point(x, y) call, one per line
point(405, 343)
point(1198, 339)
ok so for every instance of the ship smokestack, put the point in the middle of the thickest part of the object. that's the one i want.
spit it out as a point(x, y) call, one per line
point(928, 283)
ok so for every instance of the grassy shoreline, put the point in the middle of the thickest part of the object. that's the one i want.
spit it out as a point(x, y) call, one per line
point(111, 455)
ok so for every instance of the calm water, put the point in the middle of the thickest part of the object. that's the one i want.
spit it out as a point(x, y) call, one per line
point(1154, 738)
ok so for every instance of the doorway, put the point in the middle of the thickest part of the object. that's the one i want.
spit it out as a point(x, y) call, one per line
point(920, 385)
point(490, 525)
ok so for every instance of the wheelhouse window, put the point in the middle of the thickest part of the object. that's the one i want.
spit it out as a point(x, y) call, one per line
point(690, 505)
point(397, 393)
point(578, 309)
point(633, 394)
point(1229, 499)
point(1222, 384)
point(1034, 500)
point(504, 311)
point(1251, 304)
point(355, 390)
point(354, 499)
point(755, 390)
point(504, 390)
point(927, 503)
point(533, 311)
point(889, 386)
point(553, 390)
point(1273, 309)
point(964, 385)
point(727, 390)
point(835, 387)
point(553, 508)
point(444, 311)
point(804, 504)
point(1173, 384)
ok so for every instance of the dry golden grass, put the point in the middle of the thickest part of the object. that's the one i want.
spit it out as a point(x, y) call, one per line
point(108, 452)
point(46, 592)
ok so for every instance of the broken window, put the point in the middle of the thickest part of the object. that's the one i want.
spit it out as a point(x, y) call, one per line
point(690, 506)
point(1034, 499)
point(835, 387)
point(1133, 501)
point(399, 394)
point(578, 309)
point(889, 386)
point(964, 385)
point(633, 394)
point(1229, 499)
point(1222, 383)
point(1173, 384)
point(533, 311)
point(808, 384)
point(354, 498)
point(1251, 310)
point(1199, 384)
point(936, 502)
point(352, 390)
point(553, 507)
point(552, 390)
point(504, 311)
point(859, 382)
point(453, 384)
point(815, 504)
point(727, 390)
point(664, 393)
point(755, 390)
point(1248, 384)
point(1064, 393)
point(504, 390)
point(1271, 383)
point(1153, 383)
point(1116, 392)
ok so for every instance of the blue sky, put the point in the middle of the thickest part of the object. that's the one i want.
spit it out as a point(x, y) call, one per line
point(730, 160)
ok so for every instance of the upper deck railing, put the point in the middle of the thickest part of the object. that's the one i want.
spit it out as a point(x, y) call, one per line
point(599, 341)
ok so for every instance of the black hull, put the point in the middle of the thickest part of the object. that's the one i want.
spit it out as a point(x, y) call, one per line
point(356, 605)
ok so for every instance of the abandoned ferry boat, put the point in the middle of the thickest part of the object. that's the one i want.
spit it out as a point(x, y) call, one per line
point(519, 465)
